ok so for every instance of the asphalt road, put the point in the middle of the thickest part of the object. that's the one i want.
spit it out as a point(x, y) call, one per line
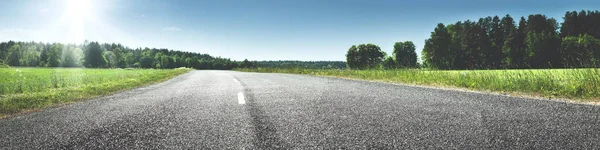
point(237, 110)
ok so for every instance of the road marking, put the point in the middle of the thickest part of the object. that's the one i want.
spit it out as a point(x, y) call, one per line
point(241, 100)
point(236, 80)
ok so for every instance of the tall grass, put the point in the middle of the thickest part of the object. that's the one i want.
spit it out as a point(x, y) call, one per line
point(30, 88)
point(563, 83)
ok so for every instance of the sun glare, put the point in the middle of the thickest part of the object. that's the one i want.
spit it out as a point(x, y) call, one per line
point(78, 9)
point(82, 20)
point(76, 15)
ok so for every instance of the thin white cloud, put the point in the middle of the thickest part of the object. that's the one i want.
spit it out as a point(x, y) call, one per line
point(16, 30)
point(43, 10)
point(172, 28)
point(143, 16)
point(18, 34)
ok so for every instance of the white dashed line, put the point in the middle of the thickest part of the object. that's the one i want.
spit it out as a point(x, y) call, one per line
point(241, 100)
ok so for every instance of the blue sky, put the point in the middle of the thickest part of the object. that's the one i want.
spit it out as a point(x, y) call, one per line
point(259, 29)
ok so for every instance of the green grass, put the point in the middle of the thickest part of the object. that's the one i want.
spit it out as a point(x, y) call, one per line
point(23, 89)
point(579, 84)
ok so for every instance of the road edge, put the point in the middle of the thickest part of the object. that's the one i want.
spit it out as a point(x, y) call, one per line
point(459, 89)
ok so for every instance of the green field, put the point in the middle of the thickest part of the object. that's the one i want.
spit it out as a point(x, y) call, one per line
point(577, 84)
point(24, 89)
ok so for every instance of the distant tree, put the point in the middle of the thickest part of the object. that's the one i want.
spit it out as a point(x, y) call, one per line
point(476, 44)
point(484, 43)
point(543, 42)
point(518, 54)
point(580, 51)
point(405, 54)
point(111, 59)
point(94, 54)
point(390, 63)
point(436, 48)
point(189, 62)
point(43, 55)
point(72, 57)
point(571, 24)
point(364, 56)
point(14, 55)
point(54, 56)
point(94, 57)
point(30, 56)
point(510, 40)
point(497, 42)
point(511, 50)
point(178, 61)
point(119, 60)
point(246, 64)
point(165, 62)
point(129, 60)
point(584, 22)
point(353, 58)
point(303, 64)
point(370, 56)
point(146, 62)
point(136, 65)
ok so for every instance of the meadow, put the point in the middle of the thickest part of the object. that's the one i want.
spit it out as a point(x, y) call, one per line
point(576, 84)
point(23, 89)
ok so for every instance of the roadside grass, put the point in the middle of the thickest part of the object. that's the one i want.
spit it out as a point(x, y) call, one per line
point(578, 84)
point(24, 89)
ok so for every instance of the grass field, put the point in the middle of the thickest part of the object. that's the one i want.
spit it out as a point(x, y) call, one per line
point(577, 84)
point(30, 88)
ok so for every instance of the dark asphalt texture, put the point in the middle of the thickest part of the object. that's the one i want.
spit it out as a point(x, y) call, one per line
point(200, 110)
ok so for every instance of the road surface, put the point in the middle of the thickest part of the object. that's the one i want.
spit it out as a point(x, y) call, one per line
point(238, 110)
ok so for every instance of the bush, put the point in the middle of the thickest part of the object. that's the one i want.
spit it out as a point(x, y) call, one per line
point(2, 65)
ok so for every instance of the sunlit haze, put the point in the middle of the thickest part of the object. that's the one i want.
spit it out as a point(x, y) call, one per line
point(257, 30)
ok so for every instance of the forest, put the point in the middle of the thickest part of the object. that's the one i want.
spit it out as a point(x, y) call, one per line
point(96, 55)
point(302, 64)
point(496, 43)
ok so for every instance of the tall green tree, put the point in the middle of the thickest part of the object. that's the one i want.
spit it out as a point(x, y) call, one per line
point(497, 38)
point(543, 42)
point(436, 47)
point(457, 52)
point(405, 54)
point(14, 55)
point(94, 57)
point(518, 54)
point(370, 55)
point(353, 58)
point(55, 56)
point(111, 59)
point(580, 51)
point(146, 61)
point(43, 55)
point(484, 43)
point(509, 33)
point(72, 57)
point(571, 24)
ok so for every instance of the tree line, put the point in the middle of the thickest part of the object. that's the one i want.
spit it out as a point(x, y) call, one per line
point(96, 55)
point(370, 56)
point(495, 43)
point(498, 43)
point(302, 64)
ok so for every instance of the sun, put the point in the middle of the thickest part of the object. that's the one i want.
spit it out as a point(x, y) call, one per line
point(77, 14)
